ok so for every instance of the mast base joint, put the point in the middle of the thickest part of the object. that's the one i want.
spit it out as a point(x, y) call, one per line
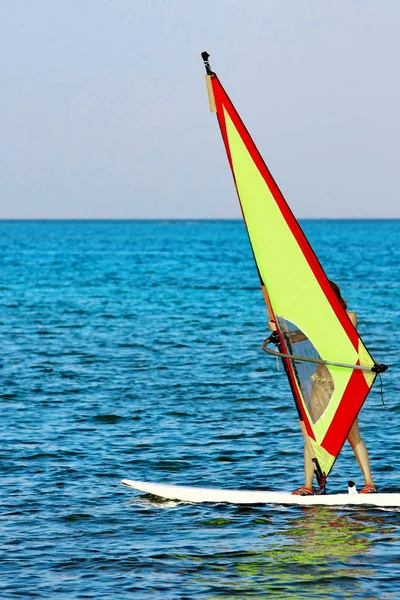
point(321, 477)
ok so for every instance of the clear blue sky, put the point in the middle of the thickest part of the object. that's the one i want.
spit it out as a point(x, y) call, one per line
point(104, 112)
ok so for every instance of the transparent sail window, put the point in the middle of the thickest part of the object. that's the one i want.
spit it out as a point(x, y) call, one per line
point(315, 381)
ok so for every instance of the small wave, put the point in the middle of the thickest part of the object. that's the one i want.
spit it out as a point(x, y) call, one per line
point(109, 419)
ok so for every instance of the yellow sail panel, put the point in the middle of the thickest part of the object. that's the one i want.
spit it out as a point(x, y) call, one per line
point(291, 282)
point(286, 272)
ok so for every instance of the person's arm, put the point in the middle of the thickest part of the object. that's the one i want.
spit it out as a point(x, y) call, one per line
point(352, 317)
point(292, 336)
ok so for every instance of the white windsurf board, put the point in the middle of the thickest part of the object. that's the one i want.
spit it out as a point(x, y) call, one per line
point(198, 494)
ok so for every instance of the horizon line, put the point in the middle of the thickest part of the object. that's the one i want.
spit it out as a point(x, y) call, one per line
point(178, 219)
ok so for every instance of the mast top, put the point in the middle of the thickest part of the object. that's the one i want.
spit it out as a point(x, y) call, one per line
point(205, 56)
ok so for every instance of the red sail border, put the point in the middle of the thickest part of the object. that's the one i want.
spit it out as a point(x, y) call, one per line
point(357, 388)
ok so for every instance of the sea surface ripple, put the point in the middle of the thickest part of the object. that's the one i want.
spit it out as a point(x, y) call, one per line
point(133, 350)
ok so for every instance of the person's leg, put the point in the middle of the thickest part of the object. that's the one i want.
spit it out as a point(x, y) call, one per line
point(308, 468)
point(307, 488)
point(360, 452)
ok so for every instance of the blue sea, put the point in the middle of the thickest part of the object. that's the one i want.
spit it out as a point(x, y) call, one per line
point(132, 349)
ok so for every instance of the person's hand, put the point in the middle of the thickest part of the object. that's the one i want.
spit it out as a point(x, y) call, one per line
point(271, 325)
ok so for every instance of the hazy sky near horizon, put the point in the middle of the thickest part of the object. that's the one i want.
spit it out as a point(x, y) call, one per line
point(104, 112)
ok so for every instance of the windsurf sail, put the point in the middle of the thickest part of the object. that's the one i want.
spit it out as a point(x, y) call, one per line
point(329, 369)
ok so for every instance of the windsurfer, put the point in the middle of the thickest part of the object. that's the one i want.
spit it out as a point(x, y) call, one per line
point(322, 388)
